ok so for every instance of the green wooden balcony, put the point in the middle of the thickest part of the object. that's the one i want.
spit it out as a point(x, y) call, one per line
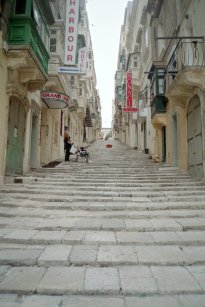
point(158, 105)
point(24, 35)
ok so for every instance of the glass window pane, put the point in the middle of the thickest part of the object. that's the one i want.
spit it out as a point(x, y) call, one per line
point(36, 14)
point(20, 7)
point(53, 45)
point(53, 31)
point(161, 86)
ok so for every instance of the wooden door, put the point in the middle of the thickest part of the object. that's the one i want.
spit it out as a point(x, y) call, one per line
point(16, 134)
point(194, 138)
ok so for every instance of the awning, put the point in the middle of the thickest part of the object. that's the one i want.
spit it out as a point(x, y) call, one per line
point(56, 100)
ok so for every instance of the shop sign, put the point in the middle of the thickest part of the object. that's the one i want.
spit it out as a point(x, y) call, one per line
point(77, 70)
point(82, 59)
point(55, 100)
point(129, 110)
point(70, 70)
point(71, 31)
point(129, 89)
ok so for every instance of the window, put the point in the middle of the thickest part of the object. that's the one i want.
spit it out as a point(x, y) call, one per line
point(20, 7)
point(135, 62)
point(122, 61)
point(160, 82)
point(53, 45)
point(36, 15)
point(40, 25)
point(161, 42)
point(146, 38)
point(82, 21)
point(53, 32)
point(57, 9)
point(72, 81)
point(80, 90)
point(53, 40)
point(90, 55)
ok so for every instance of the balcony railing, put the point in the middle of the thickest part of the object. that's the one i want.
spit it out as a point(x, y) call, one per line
point(189, 52)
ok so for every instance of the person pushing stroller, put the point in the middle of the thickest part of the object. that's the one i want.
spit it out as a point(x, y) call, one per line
point(67, 145)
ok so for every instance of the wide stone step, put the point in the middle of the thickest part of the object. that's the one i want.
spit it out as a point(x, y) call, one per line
point(138, 205)
point(105, 255)
point(50, 212)
point(111, 169)
point(111, 181)
point(10, 238)
point(94, 223)
point(122, 280)
point(152, 193)
point(118, 180)
point(119, 300)
point(154, 186)
point(152, 197)
point(133, 186)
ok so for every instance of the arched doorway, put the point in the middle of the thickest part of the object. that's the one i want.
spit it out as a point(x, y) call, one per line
point(16, 135)
point(194, 138)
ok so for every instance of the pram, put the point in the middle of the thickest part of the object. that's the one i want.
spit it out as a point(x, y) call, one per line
point(81, 152)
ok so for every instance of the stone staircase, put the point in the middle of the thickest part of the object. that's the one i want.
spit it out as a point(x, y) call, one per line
point(118, 231)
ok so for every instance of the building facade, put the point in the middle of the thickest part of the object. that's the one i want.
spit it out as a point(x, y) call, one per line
point(170, 120)
point(37, 101)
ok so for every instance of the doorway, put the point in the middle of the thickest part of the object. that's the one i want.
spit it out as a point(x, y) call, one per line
point(34, 141)
point(194, 138)
point(175, 139)
point(16, 136)
point(164, 150)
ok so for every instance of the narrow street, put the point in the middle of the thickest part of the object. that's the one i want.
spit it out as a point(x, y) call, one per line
point(119, 231)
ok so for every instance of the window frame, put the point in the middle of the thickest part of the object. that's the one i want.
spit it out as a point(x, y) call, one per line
point(41, 25)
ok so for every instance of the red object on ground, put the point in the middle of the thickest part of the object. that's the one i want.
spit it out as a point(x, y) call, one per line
point(109, 146)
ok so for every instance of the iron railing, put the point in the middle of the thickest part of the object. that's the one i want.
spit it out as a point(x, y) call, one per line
point(189, 52)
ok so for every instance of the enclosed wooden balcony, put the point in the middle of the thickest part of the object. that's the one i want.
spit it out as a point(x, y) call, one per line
point(158, 105)
point(28, 32)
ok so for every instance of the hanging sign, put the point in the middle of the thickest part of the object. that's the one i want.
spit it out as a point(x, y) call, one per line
point(129, 89)
point(129, 110)
point(55, 100)
point(82, 64)
point(70, 70)
point(71, 31)
point(82, 59)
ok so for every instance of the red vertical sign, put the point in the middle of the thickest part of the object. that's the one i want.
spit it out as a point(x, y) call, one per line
point(129, 89)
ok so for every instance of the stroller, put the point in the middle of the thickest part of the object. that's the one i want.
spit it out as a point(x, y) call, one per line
point(81, 152)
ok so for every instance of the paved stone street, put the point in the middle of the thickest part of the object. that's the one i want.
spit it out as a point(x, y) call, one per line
point(120, 231)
